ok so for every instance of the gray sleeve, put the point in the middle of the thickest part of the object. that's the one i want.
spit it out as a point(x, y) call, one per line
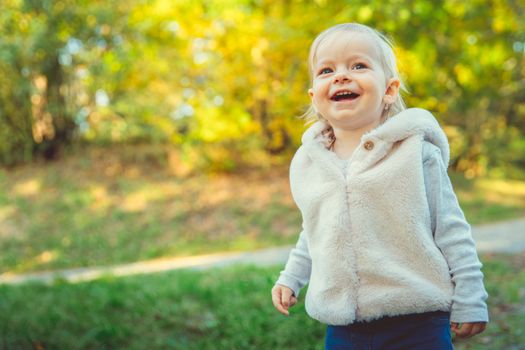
point(453, 237)
point(296, 273)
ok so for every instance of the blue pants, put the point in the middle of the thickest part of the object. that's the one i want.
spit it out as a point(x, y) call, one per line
point(426, 331)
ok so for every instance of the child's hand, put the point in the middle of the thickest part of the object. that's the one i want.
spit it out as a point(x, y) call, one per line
point(283, 298)
point(467, 330)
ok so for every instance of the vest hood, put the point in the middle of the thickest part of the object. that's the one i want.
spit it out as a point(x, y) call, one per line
point(410, 122)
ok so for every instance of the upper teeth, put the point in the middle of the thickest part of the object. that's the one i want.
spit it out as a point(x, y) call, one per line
point(343, 93)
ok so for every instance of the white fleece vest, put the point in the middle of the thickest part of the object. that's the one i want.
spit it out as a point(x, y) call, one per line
point(369, 235)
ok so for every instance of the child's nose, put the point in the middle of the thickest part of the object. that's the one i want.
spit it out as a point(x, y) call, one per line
point(341, 77)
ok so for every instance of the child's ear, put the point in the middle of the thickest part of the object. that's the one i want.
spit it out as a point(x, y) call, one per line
point(311, 93)
point(392, 90)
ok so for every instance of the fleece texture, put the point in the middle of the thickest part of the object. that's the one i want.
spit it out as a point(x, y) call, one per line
point(373, 244)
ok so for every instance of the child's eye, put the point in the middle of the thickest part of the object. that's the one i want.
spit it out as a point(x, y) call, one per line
point(359, 66)
point(325, 71)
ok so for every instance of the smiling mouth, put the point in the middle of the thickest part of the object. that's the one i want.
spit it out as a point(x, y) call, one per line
point(342, 96)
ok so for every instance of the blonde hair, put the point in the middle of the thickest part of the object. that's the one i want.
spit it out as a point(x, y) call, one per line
point(387, 59)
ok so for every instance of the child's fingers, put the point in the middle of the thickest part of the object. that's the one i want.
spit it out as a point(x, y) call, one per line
point(276, 300)
point(286, 296)
point(462, 330)
point(478, 328)
point(281, 308)
point(467, 330)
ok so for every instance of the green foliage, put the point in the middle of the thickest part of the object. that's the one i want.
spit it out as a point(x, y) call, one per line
point(209, 74)
point(15, 110)
point(44, 46)
point(219, 309)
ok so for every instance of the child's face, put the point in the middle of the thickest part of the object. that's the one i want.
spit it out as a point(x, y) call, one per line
point(349, 86)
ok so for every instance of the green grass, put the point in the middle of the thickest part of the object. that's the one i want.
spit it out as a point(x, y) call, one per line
point(110, 207)
point(216, 309)
point(100, 210)
point(488, 200)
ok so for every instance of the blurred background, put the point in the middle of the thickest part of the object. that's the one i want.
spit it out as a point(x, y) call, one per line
point(134, 130)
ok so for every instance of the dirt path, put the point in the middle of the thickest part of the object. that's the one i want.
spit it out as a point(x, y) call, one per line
point(502, 237)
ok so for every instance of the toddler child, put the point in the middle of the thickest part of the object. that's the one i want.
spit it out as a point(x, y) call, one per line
point(385, 248)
